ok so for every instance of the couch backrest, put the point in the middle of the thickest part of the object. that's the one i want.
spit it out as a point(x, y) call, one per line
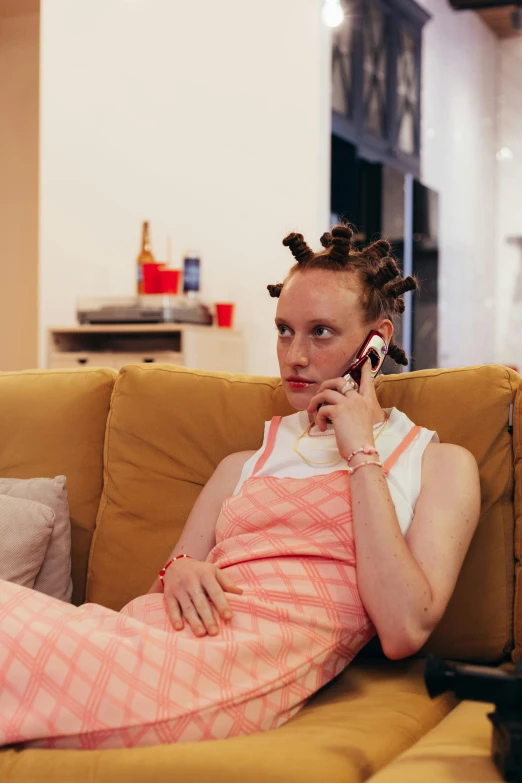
point(517, 452)
point(52, 422)
point(470, 407)
point(169, 427)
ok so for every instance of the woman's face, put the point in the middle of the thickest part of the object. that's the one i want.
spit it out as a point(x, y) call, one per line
point(321, 327)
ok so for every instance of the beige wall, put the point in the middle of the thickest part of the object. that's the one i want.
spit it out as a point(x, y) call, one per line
point(19, 87)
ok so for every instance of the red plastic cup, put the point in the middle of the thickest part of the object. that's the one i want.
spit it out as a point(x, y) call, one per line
point(225, 314)
point(151, 278)
point(169, 280)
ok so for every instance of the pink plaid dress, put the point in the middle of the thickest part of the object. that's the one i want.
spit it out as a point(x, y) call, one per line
point(89, 677)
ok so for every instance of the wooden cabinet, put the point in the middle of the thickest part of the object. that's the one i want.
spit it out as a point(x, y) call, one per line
point(115, 345)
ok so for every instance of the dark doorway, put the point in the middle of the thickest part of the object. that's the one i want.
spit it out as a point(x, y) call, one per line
point(371, 197)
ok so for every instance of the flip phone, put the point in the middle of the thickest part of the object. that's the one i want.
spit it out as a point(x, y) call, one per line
point(374, 348)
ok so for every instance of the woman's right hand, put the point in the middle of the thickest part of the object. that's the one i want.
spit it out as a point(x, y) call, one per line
point(193, 589)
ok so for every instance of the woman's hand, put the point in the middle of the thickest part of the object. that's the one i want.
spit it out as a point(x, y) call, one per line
point(191, 587)
point(351, 413)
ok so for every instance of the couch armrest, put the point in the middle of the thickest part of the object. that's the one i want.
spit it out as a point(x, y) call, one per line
point(456, 750)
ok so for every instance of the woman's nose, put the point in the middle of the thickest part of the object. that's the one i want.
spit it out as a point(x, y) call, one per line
point(297, 355)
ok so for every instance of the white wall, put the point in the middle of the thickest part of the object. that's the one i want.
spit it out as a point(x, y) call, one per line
point(509, 204)
point(460, 58)
point(206, 118)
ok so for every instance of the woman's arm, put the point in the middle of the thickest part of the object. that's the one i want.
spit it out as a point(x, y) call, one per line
point(199, 534)
point(405, 583)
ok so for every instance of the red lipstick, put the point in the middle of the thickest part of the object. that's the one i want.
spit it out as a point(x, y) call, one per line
point(296, 382)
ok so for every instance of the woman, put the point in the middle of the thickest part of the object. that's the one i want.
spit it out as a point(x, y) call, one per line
point(349, 521)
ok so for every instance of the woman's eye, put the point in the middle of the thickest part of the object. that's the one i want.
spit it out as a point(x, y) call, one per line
point(283, 330)
point(322, 331)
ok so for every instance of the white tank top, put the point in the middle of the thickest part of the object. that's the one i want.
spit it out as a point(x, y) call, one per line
point(404, 479)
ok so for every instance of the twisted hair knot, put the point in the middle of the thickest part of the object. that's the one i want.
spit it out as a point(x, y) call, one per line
point(398, 287)
point(326, 239)
point(386, 272)
point(397, 354)
point(400, 305)
point(379, 249)
point(341, 244)
point(275, 290)
point(298, 247)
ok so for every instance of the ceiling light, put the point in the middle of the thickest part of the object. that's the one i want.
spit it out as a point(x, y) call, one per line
point(333, 13)
point(505, 154)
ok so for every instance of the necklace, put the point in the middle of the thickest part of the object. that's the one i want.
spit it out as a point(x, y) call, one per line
point(330, 431)
point(382, 426)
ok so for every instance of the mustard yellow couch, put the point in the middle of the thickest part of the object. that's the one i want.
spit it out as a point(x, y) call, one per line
point(138, 447)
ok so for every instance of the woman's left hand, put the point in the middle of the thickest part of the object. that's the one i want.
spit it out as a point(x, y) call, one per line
point(351, 413)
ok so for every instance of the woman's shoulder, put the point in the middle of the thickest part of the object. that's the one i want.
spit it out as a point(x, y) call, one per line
point(449, 470)
point(450, 454)
point(228, 471)
point(234, 462)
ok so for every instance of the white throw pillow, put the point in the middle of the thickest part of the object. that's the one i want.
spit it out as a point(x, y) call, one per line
point(25, 531)
point(54, 577)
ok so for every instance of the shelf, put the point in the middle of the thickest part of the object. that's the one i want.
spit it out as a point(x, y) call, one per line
point(116, 345)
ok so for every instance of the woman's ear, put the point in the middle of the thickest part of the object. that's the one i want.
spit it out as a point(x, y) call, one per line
point(385, 327)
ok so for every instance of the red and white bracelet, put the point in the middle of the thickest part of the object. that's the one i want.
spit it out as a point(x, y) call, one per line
point(351, 471)
point(167, 564)
point(366, 449)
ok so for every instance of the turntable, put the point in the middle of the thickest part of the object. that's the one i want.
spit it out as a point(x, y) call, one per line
point(147, 309)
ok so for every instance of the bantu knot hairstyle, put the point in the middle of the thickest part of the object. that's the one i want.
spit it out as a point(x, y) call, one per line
point(374, 266)
point(298, 247)
point(400, 286)
point(275, 290)
point(386, 272)
point(379, 249)
point(341, 244)
point(326, 239)
point(397, 354)
point(386, 277)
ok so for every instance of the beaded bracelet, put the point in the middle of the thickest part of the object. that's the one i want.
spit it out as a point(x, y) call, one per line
point(351, 471)
point(366, 449)
point(167, 564)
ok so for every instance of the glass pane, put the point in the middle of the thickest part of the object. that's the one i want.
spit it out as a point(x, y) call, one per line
point(393, 230)
point(374, 89)
point(340, 98)
point(407, 81)
point(342, 101)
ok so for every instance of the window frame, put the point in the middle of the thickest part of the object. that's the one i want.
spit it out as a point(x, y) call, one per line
point(400, 15)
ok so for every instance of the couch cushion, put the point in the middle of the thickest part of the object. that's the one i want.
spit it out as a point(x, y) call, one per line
point(470, 407)
point(53, 423)
point(348, 731)
point(168, 429)
point(457, 750)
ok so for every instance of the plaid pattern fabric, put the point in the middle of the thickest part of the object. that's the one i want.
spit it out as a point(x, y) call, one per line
point(90, 677)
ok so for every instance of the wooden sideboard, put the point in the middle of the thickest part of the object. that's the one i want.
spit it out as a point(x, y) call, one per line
point(115, 345)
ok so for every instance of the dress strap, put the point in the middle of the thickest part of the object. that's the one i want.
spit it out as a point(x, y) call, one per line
point(270, 441)
point(401, 448)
